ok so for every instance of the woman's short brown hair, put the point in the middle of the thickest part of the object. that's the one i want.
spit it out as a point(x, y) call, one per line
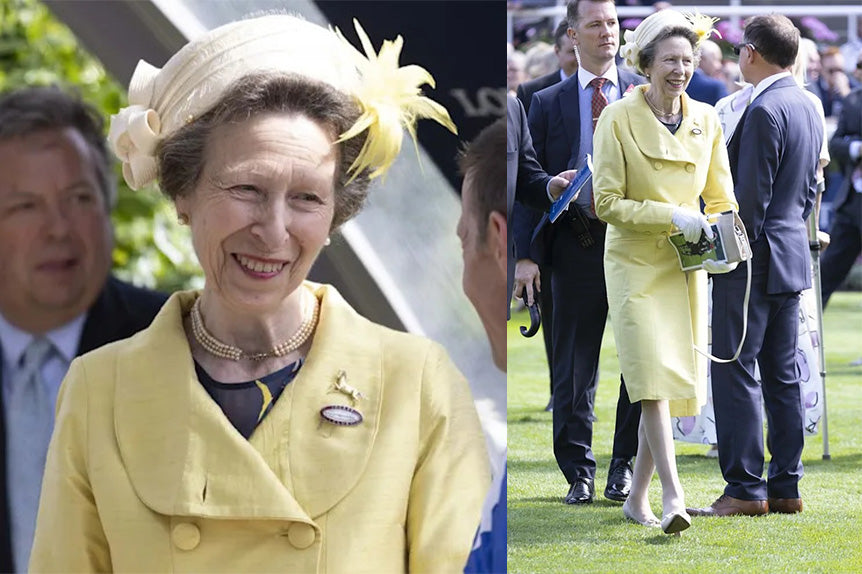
point(181, 157)
point(646, 57)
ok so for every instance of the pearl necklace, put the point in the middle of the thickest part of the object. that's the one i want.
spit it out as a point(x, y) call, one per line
point(660, 114)
point(222, 350)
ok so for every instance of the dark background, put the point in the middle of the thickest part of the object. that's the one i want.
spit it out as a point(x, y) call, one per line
point(458, 43)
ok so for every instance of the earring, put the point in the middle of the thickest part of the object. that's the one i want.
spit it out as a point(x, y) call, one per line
point(327, 242)
point(182, 219)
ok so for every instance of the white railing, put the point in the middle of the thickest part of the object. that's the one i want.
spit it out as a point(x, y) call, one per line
point(733, 11)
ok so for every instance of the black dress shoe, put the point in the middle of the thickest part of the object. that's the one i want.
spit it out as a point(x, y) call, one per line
point(581, 492)
point(619, 480)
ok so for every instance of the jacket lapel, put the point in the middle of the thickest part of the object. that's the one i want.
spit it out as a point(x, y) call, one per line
point(683, 146)
point(181, 454)
point(185, 458)
point(570, 109)
point(326, 460)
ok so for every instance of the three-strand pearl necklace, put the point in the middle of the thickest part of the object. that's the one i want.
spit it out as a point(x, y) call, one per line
point(310, 312)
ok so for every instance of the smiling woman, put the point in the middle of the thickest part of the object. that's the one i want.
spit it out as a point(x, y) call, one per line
point(264, 204)
point(658, 154)
point(273, 428)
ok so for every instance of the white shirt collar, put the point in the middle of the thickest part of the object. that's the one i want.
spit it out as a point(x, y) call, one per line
point(65, 339)
point(766, 82)
point(585, 76)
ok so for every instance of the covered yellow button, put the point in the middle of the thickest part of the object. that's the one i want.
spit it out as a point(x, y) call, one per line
point(300, 535)
point(186, 536)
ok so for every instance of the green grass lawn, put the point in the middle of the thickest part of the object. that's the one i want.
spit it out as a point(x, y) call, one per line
point(545, 535)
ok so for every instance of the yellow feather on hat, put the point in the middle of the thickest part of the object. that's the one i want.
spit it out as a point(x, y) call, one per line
point(391, 100)
point(703, 26)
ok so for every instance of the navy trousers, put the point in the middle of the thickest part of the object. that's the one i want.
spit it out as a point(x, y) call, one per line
point(739, 398)
point(580, 313)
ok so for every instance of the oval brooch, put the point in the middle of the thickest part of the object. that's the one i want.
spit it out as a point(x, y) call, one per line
point(341, 415)
point(696, 131)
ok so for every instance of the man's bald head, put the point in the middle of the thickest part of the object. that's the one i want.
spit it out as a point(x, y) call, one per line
point(711, 59)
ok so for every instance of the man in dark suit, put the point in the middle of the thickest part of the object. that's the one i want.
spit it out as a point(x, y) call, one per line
point(561, 123)
point(57, 298)
point(526, 219)
point(526, 181)
point(773, 157)
point(846, 230)
point(568, 66)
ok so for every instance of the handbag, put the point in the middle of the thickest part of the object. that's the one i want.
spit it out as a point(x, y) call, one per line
point(731, 238)
point(729, 243)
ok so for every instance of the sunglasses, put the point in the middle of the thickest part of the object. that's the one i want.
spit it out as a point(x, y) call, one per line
point(739, 47)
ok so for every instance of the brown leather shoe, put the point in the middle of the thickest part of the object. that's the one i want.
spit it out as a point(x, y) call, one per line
point(729, 506)
point(785, 505)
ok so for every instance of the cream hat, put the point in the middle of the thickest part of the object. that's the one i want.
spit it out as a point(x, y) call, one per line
point(161, 101)
point(654, 24)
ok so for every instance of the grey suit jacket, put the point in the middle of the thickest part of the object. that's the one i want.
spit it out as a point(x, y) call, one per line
point(524, 176)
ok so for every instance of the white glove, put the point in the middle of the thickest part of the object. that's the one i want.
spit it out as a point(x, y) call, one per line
point(691, 223)
point(718, 267)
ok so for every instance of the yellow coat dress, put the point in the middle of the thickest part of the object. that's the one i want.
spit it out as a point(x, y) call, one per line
point(146, 474)
point(658, 312)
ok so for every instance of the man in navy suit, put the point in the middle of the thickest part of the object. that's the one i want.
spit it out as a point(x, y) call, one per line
point(561, 123)
point(773, 157)
point(56, 191)
point(846, 231)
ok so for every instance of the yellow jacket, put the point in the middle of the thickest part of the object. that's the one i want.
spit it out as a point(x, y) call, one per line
point(642, 171)
point(658, 312)
point(145, 473)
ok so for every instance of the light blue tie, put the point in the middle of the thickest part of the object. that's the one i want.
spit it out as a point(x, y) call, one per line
point(28, 431)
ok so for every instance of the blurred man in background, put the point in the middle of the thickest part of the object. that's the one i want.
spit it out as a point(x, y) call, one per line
point(568, 65)
point(707, 83)
point(845, 146)
point(58, 299)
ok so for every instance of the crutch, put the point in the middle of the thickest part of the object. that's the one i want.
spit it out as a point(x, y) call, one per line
point(814, 246)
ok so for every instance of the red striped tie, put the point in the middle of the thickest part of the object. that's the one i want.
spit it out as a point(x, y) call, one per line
point(598, 104)
point(599, 99)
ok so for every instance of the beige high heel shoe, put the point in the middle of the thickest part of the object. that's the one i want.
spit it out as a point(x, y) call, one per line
point(651, 522)
point(675, 522)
